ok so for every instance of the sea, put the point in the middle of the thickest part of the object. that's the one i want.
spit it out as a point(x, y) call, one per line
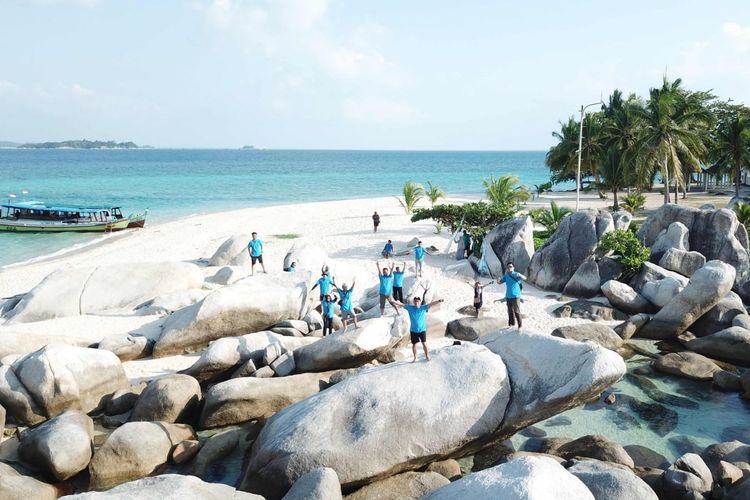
point(175, 183)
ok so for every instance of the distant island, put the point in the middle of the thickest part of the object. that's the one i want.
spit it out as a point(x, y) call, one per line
point(81, 144)
point(248, 147)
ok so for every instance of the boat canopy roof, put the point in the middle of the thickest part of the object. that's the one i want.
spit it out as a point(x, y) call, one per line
point(37, 205)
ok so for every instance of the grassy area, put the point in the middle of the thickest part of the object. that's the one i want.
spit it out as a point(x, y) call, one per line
point(286, 236)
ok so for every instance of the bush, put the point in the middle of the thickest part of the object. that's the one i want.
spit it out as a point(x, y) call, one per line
point(540, 238)
point(633, 202)
point(629, 252)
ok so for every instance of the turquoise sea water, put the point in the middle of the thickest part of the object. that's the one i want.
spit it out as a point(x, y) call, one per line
point(180, 182)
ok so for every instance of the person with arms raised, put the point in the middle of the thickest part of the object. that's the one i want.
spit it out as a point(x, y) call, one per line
point(418, 322)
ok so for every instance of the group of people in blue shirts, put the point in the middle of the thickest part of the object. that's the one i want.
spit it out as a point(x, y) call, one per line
point(328, 301)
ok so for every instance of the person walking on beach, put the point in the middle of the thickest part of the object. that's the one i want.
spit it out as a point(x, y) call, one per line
point(324, 282)
point(478, 292)
point(375, 222)
point(419, 253)
point(398, 282)
point(388, 250)
point(386, 285)
point(345, 303)
point(418, 322)
point(329, 309)
point(467, 244)
point(513, 287)
point(255, 248)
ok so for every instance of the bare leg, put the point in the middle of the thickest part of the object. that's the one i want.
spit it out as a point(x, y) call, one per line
point(426, 354)
point(264, 268)
point(343, 321)
point(355, 321)
point(414, 351)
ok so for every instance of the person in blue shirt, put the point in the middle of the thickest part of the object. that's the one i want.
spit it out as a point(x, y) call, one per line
point(388, 250)
point(513, 288)
point(255, 249)
point(386, 285)
point(292, 268)
point(345, 303)
point(324, 282)
point(329, 310)
point(419, 253)
point(418, 322)
point(398, 282)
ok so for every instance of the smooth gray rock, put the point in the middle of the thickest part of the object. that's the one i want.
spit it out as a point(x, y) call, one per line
point(609, 482)
point(682, 261)
point(308, 257)
point(652, 272)
point(573, 243)
point(283, 365)
point(732, 344)
point(271, 352)
point(526, 478)
point(318, 484)
point(404, 486)
point(687, 364)
point(742, 320)
point(246, 369)
point(687, 476)
point(123, 456)
point(719, 317)
point(609, 269)
point(727, 381)
point(661, 292)
point(628, 328)
point(589, 309)
point(594, 332)
point(214, 450)
point(622, 219)
point(173, 398)
point(624, 298)
point(730, 451)
point(585, 282)
point(16, 486)
point(233, 252)
point(263, 372)
point(126, 346)
point(61, 446)
point(230, 274)
point(470, 329)
point(167, 487)
point(705, 289)
point(123, 400)
point(510, 241)
point(597, 447)
point(2, 419)
point(674, 236)
point(449, 469)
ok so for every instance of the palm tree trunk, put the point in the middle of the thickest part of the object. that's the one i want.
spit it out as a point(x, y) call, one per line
point(737, 180)
point(676, 191)
point(616, 206)
point(666, 182)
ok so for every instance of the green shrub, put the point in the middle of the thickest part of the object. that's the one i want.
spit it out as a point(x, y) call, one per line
point(633, 202)
point(551, 218)
point(743, 214)
point(629, 252)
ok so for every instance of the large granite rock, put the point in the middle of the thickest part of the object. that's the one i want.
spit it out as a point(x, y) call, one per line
point(225, 354)
point(173, 398)
point(307, 256)
point(404, 486)
point(351, 349)
point(622, 219)
point(95, 290)
point(123, 456)
point(573, 243)
point(526, 478)
point(719, 317)
point(585, 282)
point(610, 482)
point(730, 451)
point(624, 298)
point(250, 398)
point(230, 274)
point(469, 328)
point(682, 261)
point(630, 326)
point(359, 416)
point(705, 289)
point(127, 347)
point(233, 252)
point(651, 272)
point(589, 309)
point(674, 236)
point(61, 447)
point(57, 378)
point(594, 332)
point(250, 305)
point(318, 484)
point(510, 241)
point(717, 234)
point(661, 292)
point(597, 447)
point(732, 344)
point(16, 486)
point(214, 450)
point(167, 487)
point(687, 364)
point(689, 475)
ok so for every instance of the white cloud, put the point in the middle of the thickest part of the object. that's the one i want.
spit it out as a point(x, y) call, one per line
point(740, 35)
point(378, 110)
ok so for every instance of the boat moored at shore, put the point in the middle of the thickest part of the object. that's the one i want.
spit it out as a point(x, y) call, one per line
point(35, 217)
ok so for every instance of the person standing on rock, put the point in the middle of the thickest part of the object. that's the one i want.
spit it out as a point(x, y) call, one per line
point(324, 282)
point(345, 303)
point(386, 285)
point(513, 287)
point(375, 222)
point(292, 268)
point(398, 282)
point(419, 253)
point(478, 292)
point(467, 244)
point(329, 310)
point(388, 250)
point(255, 248)
point(418, 322)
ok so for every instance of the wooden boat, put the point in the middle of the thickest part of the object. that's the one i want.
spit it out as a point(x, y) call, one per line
point(35, 217)
point(137, 220)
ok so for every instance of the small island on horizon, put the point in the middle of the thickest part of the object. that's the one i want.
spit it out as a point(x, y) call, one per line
point(75, 144)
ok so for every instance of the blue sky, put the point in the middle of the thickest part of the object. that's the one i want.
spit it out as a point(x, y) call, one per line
point(386, 74)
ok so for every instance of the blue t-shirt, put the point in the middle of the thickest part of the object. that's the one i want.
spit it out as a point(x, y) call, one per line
point(512, 285)
point(417, 317)
point(419, 253)
point(398, 278)
point(346, 299)
point(329, 307)
point(386, 285)
point(256, 248)
point(325, 284)
point(291, 269)
point(388, 248)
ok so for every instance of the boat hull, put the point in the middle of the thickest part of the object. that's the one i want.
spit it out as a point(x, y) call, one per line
point(40, 227)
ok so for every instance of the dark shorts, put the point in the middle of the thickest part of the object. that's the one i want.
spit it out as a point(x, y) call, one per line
point(254, 259)
point(418, 337)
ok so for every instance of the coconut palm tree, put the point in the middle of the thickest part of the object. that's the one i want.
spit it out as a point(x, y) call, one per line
point(506, 191)
point(613, 174)
point(730, 148)
point(673, 130)
point(562, 158)
point(551, 218)
point(434, 193)
point(412, 192)
point(743, 214)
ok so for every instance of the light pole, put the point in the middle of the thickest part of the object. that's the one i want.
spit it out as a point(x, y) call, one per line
point(580, 146)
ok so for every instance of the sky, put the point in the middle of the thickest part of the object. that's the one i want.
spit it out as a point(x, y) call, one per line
point(348, 74)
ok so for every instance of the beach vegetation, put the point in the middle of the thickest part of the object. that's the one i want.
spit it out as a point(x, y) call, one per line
point(550, 218)
point(412, 193)
point(438, 227)
point(743, 214)
point(542, 188)
point(434, 193)
point(627, 250)
point(506, 191)
point(476, 218)
point(634, 202)
point(729, 148)
point(286, 236)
